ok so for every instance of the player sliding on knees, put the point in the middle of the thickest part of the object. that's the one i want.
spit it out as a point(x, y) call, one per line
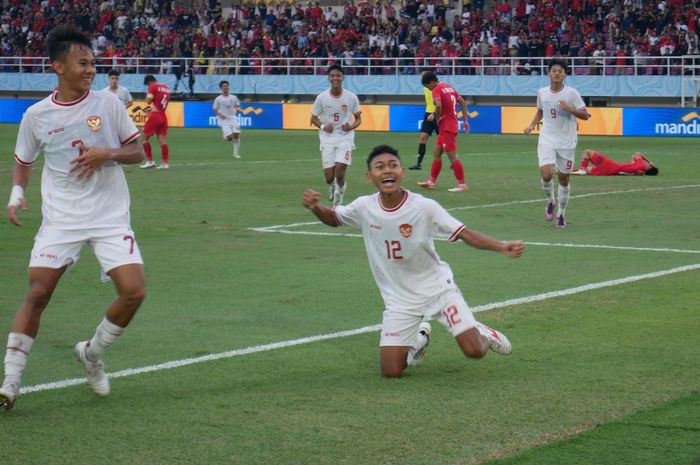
point(399, 229)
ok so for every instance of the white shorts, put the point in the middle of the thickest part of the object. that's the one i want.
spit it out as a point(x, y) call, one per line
point(332, 154)
point(400, 326)
point(113, 247)
point(230, 128)
point(562, 158)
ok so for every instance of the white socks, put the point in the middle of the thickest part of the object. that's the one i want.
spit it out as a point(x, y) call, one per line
point(105, 335)
point(18, 347)
point(563, 194)
point(236, 146)
point(548, 189)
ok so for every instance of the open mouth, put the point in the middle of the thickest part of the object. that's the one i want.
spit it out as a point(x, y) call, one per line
point(388, 181)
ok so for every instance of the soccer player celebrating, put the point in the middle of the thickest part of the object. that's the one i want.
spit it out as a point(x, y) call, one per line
point(86, 136)
point(446, 100)
point(336, 112)
point(157, 99)
point(558, 106)
point(226, 107)
point(399, 229)
point(120, 91)
point(639, 165)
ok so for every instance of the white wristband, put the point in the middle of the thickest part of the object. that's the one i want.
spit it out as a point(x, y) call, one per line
point(16, 195)
point(322, 126)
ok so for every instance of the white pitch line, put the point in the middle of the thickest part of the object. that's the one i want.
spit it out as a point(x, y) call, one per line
point(274, 229)
point(367, 329)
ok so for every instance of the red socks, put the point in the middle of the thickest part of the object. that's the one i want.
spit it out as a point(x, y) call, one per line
point(458, 170)
point(435, 170)
point(164, 153)
point(147, 149)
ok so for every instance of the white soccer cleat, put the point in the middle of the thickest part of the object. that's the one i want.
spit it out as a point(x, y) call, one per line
point(416, 354)
point(331, 191)
point(147, 164)
point(339, 194)
point(163, 166)
point(94, 371)
point(8, 396)
point(459, 188)
point(498, 342)
point(236, 155)
point(579, 172)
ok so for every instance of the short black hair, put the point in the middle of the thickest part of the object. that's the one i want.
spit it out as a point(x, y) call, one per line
point(380, 150)
point(560, 62)
point(113, 72)
point(62, 38)
point(653, 171)
point(335, 67)
point(222, 83)
point(427, 77)
point(149, 79)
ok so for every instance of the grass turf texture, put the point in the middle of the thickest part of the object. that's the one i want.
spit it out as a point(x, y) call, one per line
point(604, 376)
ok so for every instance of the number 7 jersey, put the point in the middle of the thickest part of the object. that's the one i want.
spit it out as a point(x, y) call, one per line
point(97, 119)
point(400, 246)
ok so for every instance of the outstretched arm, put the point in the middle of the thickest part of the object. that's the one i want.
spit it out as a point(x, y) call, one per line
point(513, 249)
point(311, 200)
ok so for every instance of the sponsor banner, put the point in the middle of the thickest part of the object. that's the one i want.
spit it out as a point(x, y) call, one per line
point(11, 110)
point(374, 117)
point(252, 115)
point(603, 121)
point(482, 119)
point(174, 112)
point(675, 122)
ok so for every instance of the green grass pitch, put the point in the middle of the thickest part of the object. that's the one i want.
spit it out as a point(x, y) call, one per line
point(260, 306)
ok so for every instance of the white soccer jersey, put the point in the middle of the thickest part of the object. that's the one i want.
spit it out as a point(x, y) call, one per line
point(227, 106)
point(336, 111)
point(558, 126)
point(400, 246)
point(122, 94)
point(97, 119)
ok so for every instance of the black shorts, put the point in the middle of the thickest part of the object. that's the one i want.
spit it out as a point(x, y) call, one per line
point(428, 126)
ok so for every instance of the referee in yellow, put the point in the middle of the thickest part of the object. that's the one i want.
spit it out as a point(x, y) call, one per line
point(427, 127)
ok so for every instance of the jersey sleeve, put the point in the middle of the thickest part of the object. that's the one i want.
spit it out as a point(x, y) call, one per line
point(351, 214)
point(215, 105)
point(126, 129)
point(436, 96)
point(579, 104)
point(539, 100)
point(317, 107)
point(444, 225)
point(236, 103)
point(129, 98)
point(27, 147)
point(151, 90)
point(355, 105)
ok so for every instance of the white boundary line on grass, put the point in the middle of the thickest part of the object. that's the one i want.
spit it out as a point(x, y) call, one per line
point(367, 329)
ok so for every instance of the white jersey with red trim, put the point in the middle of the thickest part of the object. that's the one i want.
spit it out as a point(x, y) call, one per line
point(97, 119)
point(400, 246)
point(558, 126)
point(336, 111)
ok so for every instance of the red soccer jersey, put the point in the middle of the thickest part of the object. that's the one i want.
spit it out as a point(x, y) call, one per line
point(607, 167)
point(161, 95)
point(447, 97)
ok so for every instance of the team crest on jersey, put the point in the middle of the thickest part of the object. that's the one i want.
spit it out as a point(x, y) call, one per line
point(94, 123)
point(344, 108)
point(406, 230)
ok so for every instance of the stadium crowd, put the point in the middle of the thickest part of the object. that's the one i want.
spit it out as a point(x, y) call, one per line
point(281, 37)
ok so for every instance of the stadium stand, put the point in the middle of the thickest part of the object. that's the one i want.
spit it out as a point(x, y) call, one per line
point(605, 37)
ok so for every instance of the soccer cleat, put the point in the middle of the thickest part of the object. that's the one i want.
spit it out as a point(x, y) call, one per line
point(147, 164)
point(8, 396)
point(163, 166)
point(498, 342)
point(579, 172)
point(416, 167)
point(339, 194)
point(94, 371)
point(561, 222)
point(426, 184)
point(236, 155)
point(549, 211)
point(331, 191)
point(417, 353)
point(459, 188)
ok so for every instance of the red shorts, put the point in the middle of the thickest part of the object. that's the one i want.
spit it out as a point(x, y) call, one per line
point(157, 123)
point(447, 140)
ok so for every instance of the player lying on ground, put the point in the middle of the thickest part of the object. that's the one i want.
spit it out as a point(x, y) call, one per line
point(399, 229)
point(604, 166)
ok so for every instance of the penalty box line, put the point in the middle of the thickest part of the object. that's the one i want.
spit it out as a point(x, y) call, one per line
point(366, 329)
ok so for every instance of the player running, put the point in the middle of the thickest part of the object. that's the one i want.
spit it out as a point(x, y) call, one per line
point(226, 107)
point(157, 100)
